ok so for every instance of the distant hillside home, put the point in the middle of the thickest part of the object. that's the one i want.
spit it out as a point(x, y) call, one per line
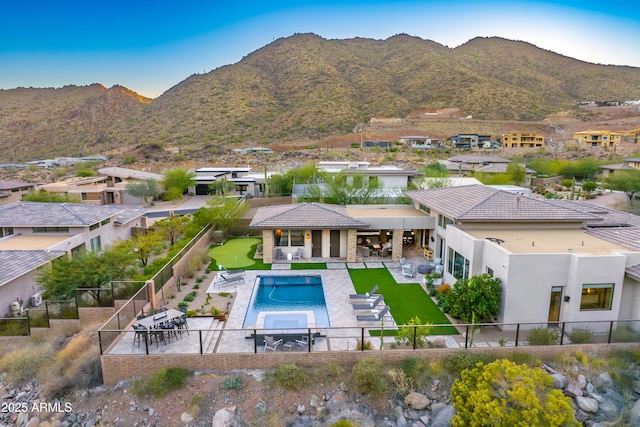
point(377, 144)
point(419, 142)
point(597, 138)
point(386, 121)
point(32, 234)
point(558, 261)
point(632, 136)
point(469, 140)
point(257, 150)
point(12, 191)
point(523, 140)
point(468, 163)
point(245, 183)
point(105, 189)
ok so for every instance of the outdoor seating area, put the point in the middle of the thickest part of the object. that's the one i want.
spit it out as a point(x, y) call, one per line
point(287, 342)
point(160, 326)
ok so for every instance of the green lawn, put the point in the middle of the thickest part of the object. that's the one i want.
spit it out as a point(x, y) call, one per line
point(309, 266)
point(237, 254)
point(406, 300)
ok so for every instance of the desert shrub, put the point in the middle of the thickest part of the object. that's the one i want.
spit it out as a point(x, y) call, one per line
point(129, 159)
point(522, 357)
point(402, 383)
point(543, 336)
point(232, 383)
point(414, 333)
point(24, 363)
point(192, 266)
point(74, 348)
point(504, 393)
point(291, 376)
point(624, 334)
point(332, 370)
point(160, 383)
point(458, 362)
point(192, 313)
point(183, 304)
point(343, 423)
point(369, 377)
point(580, 335)
point(413, 368)
point(190, 296)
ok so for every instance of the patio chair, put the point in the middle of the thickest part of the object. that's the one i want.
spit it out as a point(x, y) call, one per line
point(403, 262)
point(385, 252)
point(271, 344)
point(298, 254)
point(365, 295)
point(280, 254)
point(373, 316)
point(182, 325)
point(439, 269)
point(368, 305)
point(140, 335)
point(303, 342)
point(407, 271)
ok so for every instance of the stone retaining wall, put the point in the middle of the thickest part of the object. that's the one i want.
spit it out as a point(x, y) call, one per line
point(123, 366)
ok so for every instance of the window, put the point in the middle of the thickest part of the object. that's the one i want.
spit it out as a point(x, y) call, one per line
point(490, 271)
point(443, 221)
point(457, 265)
point(281, 237)
point(6, 231)
point(94, 226)
point(50, 229)
point(105, 221)
point(95, 244)
point(424, 209)
point(297, 238)
point(596, 296)
point(84, 196)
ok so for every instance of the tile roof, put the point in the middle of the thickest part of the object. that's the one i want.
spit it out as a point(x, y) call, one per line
point(304, 215)
point(478, 203)
point(17, 263)
point(36, 214)
point(468, 158)
point(129, 173)
point(617, 166)
point(10, 185)
point(500, 168)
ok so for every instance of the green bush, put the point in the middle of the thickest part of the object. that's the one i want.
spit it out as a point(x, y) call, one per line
point(506, 394)
point(343, 423)
point(160, 383)
point(543, 336)
point(232, 383)
point(369, 377)
point(580, 335)
point(458, 362)
point(414, 333)
point(624, 334)
point(414, 369)
point(367, 345)
point(292, 377)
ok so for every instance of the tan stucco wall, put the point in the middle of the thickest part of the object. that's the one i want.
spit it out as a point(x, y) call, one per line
point(267, 246)
point(351, 244)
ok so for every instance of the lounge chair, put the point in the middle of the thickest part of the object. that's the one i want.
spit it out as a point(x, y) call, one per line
point(365, 295)
point(368, 305)
point(225, 278)
point(403, 262)
point(303, 342)
point(298, 254)
point(271, 344)
point(408, 271)
point(373, 317)
point(280, 254)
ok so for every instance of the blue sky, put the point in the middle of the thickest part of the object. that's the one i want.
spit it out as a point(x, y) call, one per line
point(151, 45)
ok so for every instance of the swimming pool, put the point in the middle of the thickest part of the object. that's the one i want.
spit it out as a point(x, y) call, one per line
point(287, 302)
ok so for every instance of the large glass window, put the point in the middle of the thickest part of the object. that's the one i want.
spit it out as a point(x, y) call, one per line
point(281, 237)
point(297, 238)
point(50, 229)
point(6, 231)
point(95, 244)
point(443, 221)
point(596, 296)
point(457, 265)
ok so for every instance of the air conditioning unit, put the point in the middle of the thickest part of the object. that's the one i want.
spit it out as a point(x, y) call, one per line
point(36, 299)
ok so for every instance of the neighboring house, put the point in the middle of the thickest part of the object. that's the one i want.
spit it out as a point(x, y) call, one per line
point(469, 140)
point(632, 136)
point(523, 140)
point(630, 163)
point(12, 191)
point(258, 150)
point(117, 179)
point(389, 177)
point(597, 138)
point(494, 168)
point(48, 230)
point(469, 163)
point(329, 231)
point(89, 190)
point(558, 261)
point(420, 142)
point(245, 183)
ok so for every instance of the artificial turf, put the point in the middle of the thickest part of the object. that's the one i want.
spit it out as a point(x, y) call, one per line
point(238, 253)
point(405, 300)
point(309, 266)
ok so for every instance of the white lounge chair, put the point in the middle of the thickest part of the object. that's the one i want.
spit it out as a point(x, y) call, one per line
point(271, 344)
point(373, 316)
point(365, 295)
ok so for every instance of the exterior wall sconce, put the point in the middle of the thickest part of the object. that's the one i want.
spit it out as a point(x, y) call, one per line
point(278, 233)
point(567, 298)
point(308, 236)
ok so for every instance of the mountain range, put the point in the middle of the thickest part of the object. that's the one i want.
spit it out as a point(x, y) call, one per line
point(306, 88)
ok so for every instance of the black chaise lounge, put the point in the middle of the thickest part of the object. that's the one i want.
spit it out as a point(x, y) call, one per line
point(368, 305)
point(366, 295)
point(373, 317)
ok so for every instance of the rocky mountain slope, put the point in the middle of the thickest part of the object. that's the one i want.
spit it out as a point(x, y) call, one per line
point(305, 88)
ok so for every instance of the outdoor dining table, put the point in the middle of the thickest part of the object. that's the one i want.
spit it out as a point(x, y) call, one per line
point(157, 319)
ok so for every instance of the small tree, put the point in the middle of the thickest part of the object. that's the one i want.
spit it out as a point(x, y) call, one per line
point(413, 333)
point(43, 196)
point(503, 393)
point(517, 173)
point(173, 226)
point(477, 298)
point(627, 181)
point(176, 182)
point(147, 190)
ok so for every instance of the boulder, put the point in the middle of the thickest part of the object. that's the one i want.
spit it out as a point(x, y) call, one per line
point(417, 401)
point(587, 404)
point(573, 390)
point(224, 417)
point(442, 418)
point(581, 381)
point(401, 421)
point(560, 381)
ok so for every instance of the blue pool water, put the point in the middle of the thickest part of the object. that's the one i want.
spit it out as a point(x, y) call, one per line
point(288, 293)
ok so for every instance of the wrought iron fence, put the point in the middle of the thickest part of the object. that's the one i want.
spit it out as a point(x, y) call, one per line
point(14, 326)
point(129, 311)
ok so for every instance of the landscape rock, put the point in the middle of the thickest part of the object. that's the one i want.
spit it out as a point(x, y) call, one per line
point(260, 409)
point(573, 390)
point(401, 421)
point(587, 404)
point(442, 418)
point(560, 381)
point(417, 401)
point(186, 417)
point(581, 382)
point(224, 417)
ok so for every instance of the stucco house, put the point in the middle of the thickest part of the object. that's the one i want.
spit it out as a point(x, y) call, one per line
point(32, 234)
point(559, 261)
point(12, 191)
